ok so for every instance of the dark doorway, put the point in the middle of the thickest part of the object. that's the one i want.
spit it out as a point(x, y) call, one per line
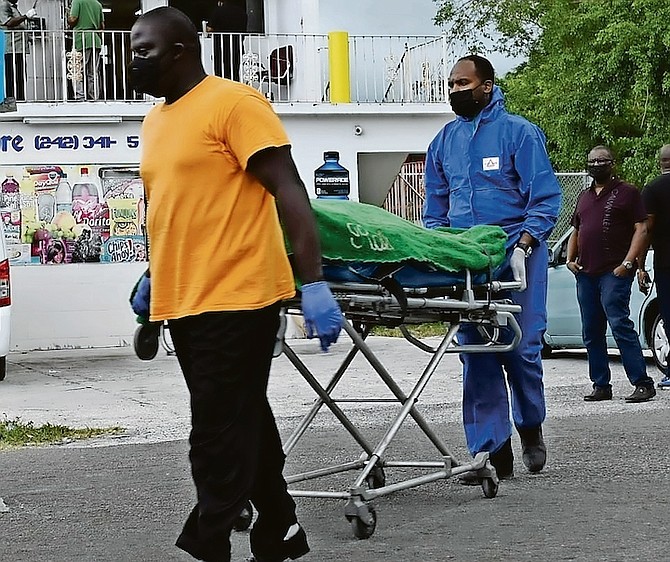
point(200, 10)
point(197, 10)
point(120, 14)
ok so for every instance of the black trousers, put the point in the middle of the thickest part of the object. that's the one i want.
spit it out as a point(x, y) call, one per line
point(236, 453)
point(14, 76)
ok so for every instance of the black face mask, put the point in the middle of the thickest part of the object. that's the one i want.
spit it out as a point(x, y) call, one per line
point(600, 173)
point(464, 104)
point(144, 75)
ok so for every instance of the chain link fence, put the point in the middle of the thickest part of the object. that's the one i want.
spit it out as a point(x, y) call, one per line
point(408, 192)
point(572, 184)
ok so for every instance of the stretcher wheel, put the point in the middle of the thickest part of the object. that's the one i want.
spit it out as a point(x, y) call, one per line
point(376, 478)
point(145, 341)
point(360, 528)
point(243, 521)
point(490, 487)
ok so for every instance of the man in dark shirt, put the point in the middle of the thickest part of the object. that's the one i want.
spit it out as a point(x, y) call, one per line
point(610, 230)
point(229, 21)
point(656, 196)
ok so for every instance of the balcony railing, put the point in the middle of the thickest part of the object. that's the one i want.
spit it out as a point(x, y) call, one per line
point(286, 68)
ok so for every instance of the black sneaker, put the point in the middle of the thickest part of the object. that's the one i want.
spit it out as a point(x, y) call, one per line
point(291, 548)
point(502, 460)
point(599, 393)
point(641, 394)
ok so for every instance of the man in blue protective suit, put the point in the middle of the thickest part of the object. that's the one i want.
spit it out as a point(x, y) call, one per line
point(490, 167)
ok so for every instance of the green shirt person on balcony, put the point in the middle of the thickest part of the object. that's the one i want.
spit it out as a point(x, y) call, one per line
point(86, 18)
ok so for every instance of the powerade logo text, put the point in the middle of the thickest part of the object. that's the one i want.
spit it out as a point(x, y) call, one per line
point(331, 183)
point(333, 180)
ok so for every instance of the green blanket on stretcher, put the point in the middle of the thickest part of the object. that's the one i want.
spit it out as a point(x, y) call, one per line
point(357, 232)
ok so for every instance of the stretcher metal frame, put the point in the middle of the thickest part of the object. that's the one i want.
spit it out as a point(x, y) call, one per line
point(365, 306)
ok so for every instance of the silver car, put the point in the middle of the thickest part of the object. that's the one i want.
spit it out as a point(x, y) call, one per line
point(564, 326)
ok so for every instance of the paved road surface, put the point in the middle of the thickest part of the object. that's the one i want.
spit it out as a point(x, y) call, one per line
point(601, 497)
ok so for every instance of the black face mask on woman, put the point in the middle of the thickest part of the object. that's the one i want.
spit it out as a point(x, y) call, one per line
point(464, 104)
point(144, 74)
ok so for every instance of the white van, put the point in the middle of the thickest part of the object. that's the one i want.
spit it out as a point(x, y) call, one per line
point(5, 304)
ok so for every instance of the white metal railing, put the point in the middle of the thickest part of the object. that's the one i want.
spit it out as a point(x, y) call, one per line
point(394, 69)
point(286, 68)
point(408, 193)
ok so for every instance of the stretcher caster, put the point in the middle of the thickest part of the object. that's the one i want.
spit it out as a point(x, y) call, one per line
point(376, 478)
point(489, 487)
point(145, 340)
point(364, 529)
point(243, 521)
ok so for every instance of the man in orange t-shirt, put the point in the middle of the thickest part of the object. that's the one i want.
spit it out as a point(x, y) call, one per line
point(217, 166)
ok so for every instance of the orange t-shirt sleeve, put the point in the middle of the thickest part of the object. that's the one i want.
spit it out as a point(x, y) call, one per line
point(252, 126)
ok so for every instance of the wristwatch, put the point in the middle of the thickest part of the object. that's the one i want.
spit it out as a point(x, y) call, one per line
point(527, 248)
point(628, 265)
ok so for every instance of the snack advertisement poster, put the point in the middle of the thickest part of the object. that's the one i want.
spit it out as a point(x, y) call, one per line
point(55, 214)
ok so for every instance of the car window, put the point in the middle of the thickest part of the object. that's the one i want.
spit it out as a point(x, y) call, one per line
point(559, 252)
point(561, 257)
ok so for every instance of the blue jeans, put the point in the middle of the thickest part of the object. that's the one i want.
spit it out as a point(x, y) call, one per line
point(605, 299)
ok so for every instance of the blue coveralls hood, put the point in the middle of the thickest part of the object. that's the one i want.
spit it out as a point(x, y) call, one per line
point(473, 174)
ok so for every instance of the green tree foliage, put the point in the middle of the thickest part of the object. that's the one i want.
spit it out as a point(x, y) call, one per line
point(597, 72)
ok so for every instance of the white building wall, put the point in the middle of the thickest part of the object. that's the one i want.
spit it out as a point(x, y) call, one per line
point(86, 305)
point(390, 17)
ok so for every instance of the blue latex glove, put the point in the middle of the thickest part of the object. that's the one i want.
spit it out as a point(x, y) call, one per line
point(321, 312)
point(142, 297)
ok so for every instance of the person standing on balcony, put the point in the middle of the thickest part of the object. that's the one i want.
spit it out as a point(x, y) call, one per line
point(86, 18)
point(229, 17)
point(610, 233)
point(656, 197)
point(490, 167)
point(217, 167)
point(16, 46)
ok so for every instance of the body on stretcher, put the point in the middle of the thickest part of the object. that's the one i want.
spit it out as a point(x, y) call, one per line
point(364, 306)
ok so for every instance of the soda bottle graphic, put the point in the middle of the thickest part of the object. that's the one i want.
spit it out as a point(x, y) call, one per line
point(85, 188)
point(331, 179)
point(85, 201)
point(9, 194)
point(64, 195)
point(46, 207)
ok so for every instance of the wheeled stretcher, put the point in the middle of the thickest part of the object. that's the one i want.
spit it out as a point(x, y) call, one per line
point(401, 295)
point(384, 271)
point(366, 304)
